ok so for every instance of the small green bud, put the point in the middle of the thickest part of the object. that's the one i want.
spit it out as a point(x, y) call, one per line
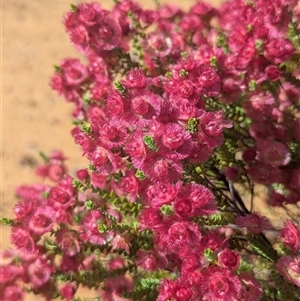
point(73, 8)
point(6, 221)
point(209, 255)
point(140, 175)
point(168, 74)
point(166, 209)
point(198, 169)
point(50, 246)
point(248, 121)
point(44, 157)
point(89, 205)
point(150, 142)
point(241, 119)
point(61, 277)
point(119, 87)
point(91, 167)
point(77, 184)
point(86, 129)
point(252, 85)
point(77, 219)
point(102, 228)
point(183, 73)
point(249, 27)
point(184, 55)
point(87, 101)
point(193, 125)
point(259, 45)
point(213, 62)
point(57, 69)
point(45, 195)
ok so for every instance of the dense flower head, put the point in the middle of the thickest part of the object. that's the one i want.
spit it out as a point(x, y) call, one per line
point(254, 222)
point(290, 236)
point(289, 267)
point(220, 284)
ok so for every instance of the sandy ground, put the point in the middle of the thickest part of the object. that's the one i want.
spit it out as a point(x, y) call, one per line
point(33, 117)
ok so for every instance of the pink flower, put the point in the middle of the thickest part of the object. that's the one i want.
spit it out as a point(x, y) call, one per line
point(23, 209)
point(39, 272)
point(150, 218)
point(144, 106)
point(98, 180)
point(68, 290)
point(135, 79)
point(209, 81)
point(9, 273)
point(111, 133)
point(157, 44)
point(89, 228)
point(290, 236)
point(42, 220)
point(251, 288)
point(103, 159)
point(88, 12)
point(273, 72)
point(73, 72)
point(116, 104)
point(254, 222)
point(58, 195)
point(179, 237)
point(232, 173)
point(279, 50)
point(260, 102)
point(129, 186)
point(12, 293)
point(115, 286)
point(31, 192)
point(263, 173)
point(120, 242)
point(161, 193)
point(22, 239)
point(174, 141)
point(289, 267)
point(157, 167)
point(229, 259)
point(219, 285)
point(69, 264)
point(194, 200)
point(174, 290)
point(210, 128)
point(149, 260)
point(273, 152)
point(214, 240)
point(67, 241)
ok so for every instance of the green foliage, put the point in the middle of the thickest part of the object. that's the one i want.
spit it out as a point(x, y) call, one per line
point(150, 142)
point(261, 247)
point(140, 175)
point(294, 34)
point(6, 221)
point(219, 219)
point(119, 87)
point(193, 125)
point(166, 209)
point(209, 255)
point(74, 8)
point(86, 129)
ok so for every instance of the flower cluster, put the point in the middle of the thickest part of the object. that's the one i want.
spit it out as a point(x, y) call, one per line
point(172, 109)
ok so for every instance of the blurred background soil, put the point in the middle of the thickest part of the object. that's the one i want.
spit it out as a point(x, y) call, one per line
point(33, 117)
